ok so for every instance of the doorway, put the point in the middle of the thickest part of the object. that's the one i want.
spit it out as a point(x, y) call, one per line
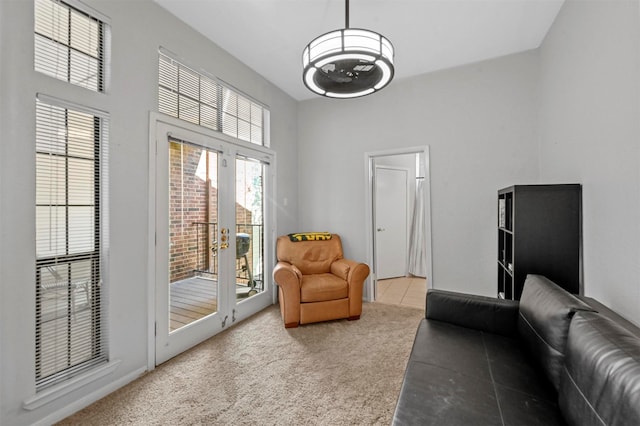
point(409, 254)
point(211, 222)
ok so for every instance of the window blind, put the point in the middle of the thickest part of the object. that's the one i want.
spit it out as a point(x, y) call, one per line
point(69, 44)
point(192, 96)
point(71, 175)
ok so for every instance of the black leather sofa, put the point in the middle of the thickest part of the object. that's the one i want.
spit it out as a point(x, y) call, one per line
point(552, 358)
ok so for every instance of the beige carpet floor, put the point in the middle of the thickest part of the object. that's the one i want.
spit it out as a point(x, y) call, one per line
point(258, 373)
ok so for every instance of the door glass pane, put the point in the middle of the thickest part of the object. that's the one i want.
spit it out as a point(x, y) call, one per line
point(249, 227)
point(193, 221)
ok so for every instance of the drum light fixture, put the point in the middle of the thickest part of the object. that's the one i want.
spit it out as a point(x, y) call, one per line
point(348, 63)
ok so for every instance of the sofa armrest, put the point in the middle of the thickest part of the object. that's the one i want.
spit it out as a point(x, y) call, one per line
point(472, 311)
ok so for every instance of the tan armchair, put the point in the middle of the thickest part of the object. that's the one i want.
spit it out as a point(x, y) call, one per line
point(315, 283)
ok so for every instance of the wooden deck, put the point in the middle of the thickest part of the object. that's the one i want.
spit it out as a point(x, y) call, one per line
point(190, 300)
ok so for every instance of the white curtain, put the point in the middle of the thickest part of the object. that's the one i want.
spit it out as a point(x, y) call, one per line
point(417, 249)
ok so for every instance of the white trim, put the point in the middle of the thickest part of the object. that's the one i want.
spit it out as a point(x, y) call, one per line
point(260, 152)
point(85, 401)
point(370, 286)
point(82, 7)
point(55, 392)
point(51, 100)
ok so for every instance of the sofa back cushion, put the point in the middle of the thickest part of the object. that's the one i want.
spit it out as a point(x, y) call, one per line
point(310, 257)
point(600, 383)
point(543, 322)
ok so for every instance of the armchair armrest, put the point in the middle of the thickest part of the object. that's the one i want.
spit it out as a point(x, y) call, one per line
point(357, 272)
point(488, 314)
point(354, 273)
point(287, 275)
point(340, 268)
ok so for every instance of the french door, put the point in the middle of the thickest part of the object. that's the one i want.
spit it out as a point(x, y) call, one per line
point(212, 235)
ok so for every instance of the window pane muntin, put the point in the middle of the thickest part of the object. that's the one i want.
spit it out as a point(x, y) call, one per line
point(81, 134)
point(50, 179)
point(208, 117)
point(188, 109)
point(51, 58)
point(51, 231)
point(85, 34)
point(84, 71)
point(244, 108)
point(229, 125)
point(168, 73)
point(229, 102)
point(80, 235)
point(208, 92)
point(244, 130)
point(256, 115)
point(167, 102)
point(52, 20)
point(82, 186)
point(188, 83)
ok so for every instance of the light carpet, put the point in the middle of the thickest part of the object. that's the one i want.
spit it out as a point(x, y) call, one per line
point(259, 373)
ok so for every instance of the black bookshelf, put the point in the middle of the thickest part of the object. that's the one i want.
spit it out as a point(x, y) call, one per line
point(539, 232)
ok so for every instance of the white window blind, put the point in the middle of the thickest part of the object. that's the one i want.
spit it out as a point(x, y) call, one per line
point(69, 44)
point(191, 96)
point(71, 220)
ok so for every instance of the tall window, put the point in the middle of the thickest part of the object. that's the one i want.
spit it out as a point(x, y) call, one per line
point(69, 44)
point(70, 221)
point(191, 96)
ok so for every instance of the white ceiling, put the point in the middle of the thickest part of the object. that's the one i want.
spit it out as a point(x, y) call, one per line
point(428, 35)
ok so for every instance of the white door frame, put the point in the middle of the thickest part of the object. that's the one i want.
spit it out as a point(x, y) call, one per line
point(370, 286)
point(256, 151)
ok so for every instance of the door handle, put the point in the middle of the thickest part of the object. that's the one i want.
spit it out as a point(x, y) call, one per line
point(224, 243)
point(380, 229)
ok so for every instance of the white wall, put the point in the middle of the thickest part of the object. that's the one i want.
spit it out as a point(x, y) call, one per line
point(590, 134)
point(479, 121)
point(138, 29)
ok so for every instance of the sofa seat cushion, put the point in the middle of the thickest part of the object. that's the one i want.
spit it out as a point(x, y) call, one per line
point(322, 287)
point(543, 323)
point(600, 383)
point(457, 375)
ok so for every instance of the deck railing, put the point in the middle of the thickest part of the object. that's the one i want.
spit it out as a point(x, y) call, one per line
point(248, 260)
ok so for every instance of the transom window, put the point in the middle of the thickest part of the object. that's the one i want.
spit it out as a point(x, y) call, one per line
point(69, 44)
point(192, 96)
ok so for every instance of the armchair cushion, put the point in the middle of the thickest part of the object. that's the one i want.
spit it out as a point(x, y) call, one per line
point(322, 287)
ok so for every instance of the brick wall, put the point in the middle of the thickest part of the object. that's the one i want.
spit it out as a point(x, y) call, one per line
point(193, 215)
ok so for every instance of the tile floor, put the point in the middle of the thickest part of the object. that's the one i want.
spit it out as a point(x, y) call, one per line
point(405, 291)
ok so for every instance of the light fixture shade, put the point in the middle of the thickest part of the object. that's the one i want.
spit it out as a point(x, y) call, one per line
point(348, 63)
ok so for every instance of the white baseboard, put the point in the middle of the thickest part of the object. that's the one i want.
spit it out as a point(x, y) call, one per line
point(90, 398)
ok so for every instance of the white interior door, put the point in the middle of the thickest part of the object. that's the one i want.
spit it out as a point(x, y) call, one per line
point(211, 233)
point(390, 221)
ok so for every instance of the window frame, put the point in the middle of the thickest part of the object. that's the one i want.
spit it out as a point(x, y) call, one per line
point(98, 255)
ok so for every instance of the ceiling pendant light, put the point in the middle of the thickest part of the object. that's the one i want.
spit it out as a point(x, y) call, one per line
point(348, 63)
